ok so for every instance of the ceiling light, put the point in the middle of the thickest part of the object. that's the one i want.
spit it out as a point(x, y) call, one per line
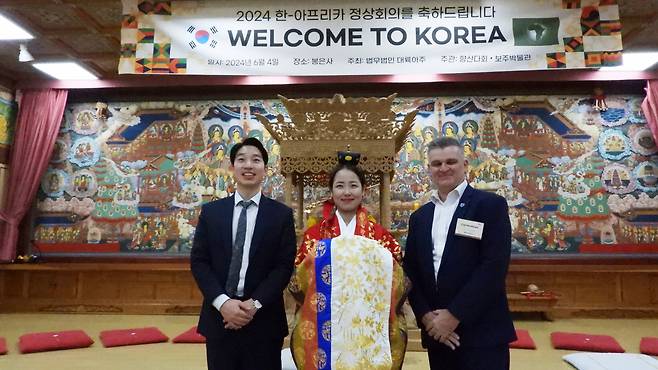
point(635, 62)
point(11, 31)
point(65, 71)
point(23, 54)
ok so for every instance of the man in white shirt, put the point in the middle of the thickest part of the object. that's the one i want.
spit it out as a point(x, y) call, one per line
point(242, 259)
point(456, 256)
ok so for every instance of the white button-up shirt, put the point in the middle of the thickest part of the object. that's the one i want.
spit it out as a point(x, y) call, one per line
point(252, 212)
point(443, 213)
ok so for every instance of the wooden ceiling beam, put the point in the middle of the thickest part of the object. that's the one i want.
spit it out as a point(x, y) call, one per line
point(99, 56)
point(17, 17)
point(102, 72)
point(67, 51)
point(80, 56)
point(15, 4)
point(637, 26)
point(92, 25)
point(7, 81)
point(112, 34)
point(66, 32)
point(81, 2)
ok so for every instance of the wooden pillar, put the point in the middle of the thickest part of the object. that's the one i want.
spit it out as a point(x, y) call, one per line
point(288, 190)
point(300, 202)
point(385, 200)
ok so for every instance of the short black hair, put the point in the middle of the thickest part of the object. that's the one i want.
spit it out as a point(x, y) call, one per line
point(250, 141)
point(350, 167)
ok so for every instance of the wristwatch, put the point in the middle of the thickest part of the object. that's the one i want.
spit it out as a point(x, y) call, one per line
point(257, 304)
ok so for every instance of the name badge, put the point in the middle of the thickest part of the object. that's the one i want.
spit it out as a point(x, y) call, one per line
point(469, 229)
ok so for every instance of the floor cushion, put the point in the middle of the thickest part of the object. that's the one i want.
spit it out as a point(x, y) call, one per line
point(649, 346)
point(190, 336)
point(585, 342)
point(53, 341)
point(3, 346)
point(611, 361)
point(130, 337)
point(523, 340)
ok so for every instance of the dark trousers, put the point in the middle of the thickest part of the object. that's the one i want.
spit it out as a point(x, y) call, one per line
point(237, 351)
point(486, 358)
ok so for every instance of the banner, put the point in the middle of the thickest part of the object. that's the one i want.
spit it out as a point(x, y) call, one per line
point(348, 38)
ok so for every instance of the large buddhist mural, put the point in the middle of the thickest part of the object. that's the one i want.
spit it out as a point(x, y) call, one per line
point(131, 177)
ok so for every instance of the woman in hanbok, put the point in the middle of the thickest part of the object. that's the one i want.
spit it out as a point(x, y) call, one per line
point(348, 284)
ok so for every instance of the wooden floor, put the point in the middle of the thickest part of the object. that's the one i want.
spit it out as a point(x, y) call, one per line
point(167, 356)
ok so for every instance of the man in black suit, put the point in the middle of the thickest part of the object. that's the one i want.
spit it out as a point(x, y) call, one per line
point(242, 259)
point(457, 255)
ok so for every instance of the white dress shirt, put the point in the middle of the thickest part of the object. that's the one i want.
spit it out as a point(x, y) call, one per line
point(252, 212)
point(346, 229)
point(443, 213)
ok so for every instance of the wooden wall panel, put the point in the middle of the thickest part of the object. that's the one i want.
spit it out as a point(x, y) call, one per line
point(593, 290)
point(99, 286)
point(173, 292)
point(53, 285)
point(138, 291)
point(13, 285)
point(146, 288)
point(637, 289)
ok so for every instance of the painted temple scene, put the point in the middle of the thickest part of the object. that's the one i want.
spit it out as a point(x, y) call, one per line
point(129, 178)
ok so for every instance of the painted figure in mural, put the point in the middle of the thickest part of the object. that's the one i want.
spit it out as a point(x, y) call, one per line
point(470, 130)
point(449, 129)
point(410, 150)
point(469, 147)
point(275, 150)
point(81, 183)
point(258, 134)
point(509, 127)
point(54, 183)
point(166, 132)
point(413, 176)
point(181, 130)
point(220, 155)
point(457, 254)
point(60, 151)
point(274, 182)
point(429, 134)
point(215, 134)
point(366, 264)
point(83, 151)
point(242, 259)
point(235, 135)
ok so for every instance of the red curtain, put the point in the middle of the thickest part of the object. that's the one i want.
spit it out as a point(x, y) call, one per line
point(39, 117)
point(650, 107)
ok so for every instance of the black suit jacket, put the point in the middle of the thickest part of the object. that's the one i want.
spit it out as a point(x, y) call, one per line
point(471, 277)
point(271, 258)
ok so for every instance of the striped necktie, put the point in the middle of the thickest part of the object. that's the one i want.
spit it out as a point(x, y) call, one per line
point(238, 248)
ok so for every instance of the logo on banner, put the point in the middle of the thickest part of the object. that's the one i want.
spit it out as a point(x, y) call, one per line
point(535, 31)
point(202, 37)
